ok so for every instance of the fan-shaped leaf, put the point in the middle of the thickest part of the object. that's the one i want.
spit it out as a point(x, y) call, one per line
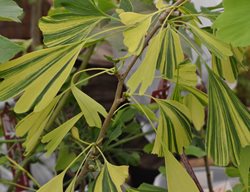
point(9, 11)
point(228, 123)
point(90, 108)
point(38, 74)
point(174, 127)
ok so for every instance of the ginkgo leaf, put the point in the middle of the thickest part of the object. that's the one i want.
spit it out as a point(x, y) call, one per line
point(90, 108)
point(219, 48)
point(8, 49)
point(197, 111)
point(171, 54)
point(34, 124)
point(71, 187)
point(175, 170)
point(226, 68)
point(134, 36)
point(233, 24)
point(126, 5)
point(66, 28)
point(174, 127)
point(145, 73)
point(105, 5)
point(228, 127)
point(160, 4)
point(55, 184)
point(245, 166)
point(144, 187)
point(10, 11)
point(40, 74)
point(55, 137)
point(185, 74)
point(111, 178)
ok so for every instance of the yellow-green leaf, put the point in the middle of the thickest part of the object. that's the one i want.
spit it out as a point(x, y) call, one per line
point(138, 25)
point(55, 137)
point(90, 108)
point(245, 166)
point(174, 170)
point(219, 48)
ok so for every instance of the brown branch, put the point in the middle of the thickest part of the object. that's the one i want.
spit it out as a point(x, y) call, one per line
point(208, 173)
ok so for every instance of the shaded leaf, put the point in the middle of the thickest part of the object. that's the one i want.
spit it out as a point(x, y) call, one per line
point(228, 127)
point(105, 5)
point(244, 167)
point(138, 25)
point(175, 170)
point(219, 48)
point(55, 137)
point(145, 187)
point(144, 75)
point(90, 108)
point(126, 5)
point(10, 11)
point(233, 24)
point(40, 75)
point(34, 125)
point(174, 127)
point(195, 151)
point(111, 178)
point(8, 49)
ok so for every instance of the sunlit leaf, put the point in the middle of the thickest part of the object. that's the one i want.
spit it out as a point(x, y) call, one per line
point(138, 25)
point(8, 49)
point(66, 28)
point(55, 137)
point(228, 127)
point(111, 178)
point(144, 75)
point(219, 48)
point(233, 24)
point(90, 108)
point(34, 124)
point(39, 74)
point(197, 111)
point(9, 11)
point(174, 127)
point(160, 4)
point(174, 170)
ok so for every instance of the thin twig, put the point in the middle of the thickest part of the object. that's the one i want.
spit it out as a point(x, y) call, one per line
point(208, 173)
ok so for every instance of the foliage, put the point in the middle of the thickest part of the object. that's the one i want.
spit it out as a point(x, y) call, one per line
point(158, 42)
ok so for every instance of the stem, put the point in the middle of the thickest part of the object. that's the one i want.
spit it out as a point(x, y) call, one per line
point(121, 79)
point(209, 180)
point(189, 169)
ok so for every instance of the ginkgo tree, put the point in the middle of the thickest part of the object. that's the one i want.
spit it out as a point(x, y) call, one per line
point(158, 42)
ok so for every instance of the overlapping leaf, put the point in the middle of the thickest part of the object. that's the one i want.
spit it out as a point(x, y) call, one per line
point(134, 36)
point(228, 123)
point(219, 48)
point(34, 124)
point(37, 74)
point(55, 137)
point(111, 178)
point(64, 28)
point(90, 108)
point(8, 49)
point(174, 127)
point(145, 73)
point(171, 54)
point(9, 11)
point(233, 24)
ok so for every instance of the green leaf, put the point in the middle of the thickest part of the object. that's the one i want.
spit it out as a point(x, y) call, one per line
point(34, 124)
point(55, 184)
point(126, 5)
point(111, 178)
point(228, 127)
point(160, 4)
point(171, 54)
point(245, 166)
point(105, 5)
point(55, 137)
point(40, 74)
point(174, 127)
point(145, 73)
point(233, 24)
point(65, 28)
point(9, 11)
point(195, 151)
point(90, 108)
point(8, 49)
point(173, 171)
point(197, 111)
point(147, 188)
point(220, 49)
point(134, 35)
